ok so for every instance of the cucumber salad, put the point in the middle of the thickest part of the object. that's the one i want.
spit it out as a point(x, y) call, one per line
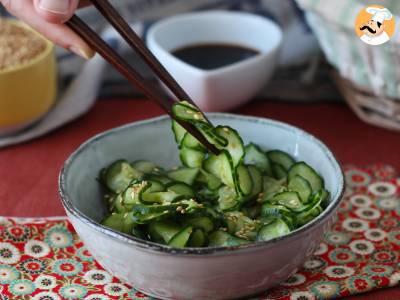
point(243, 195)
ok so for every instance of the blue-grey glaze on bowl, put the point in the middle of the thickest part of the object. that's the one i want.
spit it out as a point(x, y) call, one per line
point(192, 273)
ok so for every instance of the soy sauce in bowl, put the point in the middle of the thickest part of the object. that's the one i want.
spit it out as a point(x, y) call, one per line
point(213, 56)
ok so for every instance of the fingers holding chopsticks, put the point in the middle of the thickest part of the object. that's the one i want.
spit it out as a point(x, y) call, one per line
point(47, 17)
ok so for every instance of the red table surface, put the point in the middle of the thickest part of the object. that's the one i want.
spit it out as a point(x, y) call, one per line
point(29, 172)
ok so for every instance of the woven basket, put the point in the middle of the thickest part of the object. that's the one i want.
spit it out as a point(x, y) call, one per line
point(368, 76)
point(379, 111)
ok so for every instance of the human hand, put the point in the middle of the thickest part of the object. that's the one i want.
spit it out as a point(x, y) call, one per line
point(48, 17)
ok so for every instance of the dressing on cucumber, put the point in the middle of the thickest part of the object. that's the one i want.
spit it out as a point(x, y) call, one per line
point(243, 195)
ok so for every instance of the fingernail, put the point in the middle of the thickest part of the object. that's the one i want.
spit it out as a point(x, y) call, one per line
point(55, 6)
point(85, 53)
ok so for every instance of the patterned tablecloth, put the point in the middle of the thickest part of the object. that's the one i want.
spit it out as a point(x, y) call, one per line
point(44, 259)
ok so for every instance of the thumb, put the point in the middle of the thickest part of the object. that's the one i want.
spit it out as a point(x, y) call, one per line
point(56, 11)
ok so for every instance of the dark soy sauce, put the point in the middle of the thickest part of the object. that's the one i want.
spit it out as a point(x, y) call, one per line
point(213, 56)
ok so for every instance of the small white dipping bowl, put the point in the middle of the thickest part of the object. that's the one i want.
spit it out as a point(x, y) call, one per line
point(192, 273)
point(229, 86)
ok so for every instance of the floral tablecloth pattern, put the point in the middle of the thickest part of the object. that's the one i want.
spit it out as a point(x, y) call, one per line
point(44, 259)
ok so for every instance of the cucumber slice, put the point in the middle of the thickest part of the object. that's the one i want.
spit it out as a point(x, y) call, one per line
point(235, 241)
point(282, 158)
point(244, 182)
point(308, 173)
point(187, 112)
point(163, 231)
point(203, 223)
point(278, 171)
point(241, 225)
point(143, 214)
point(235, 145)
point(209, 179)
point(312, 210)
point(197, 239)
point(120, 222)
point(274, 210)
point(145, 166)
point(131, 193)
point(325, 198)
point(114, 221)
point(159, 197)
point(278, 211)
point(301, 186)
point(218, 238)
point(157, 177)
point(257, 180)
point(255, 156)
point(290, 200)
point(180, 239)
point(304, 218)
point(227, 198)
point(221, 238)
point(273, 230)
point(179, 132)
point(186, 175)
point(151, 186)
point(120, 206)
point(119, 174)
point(212, 165)
point(271, 186)
point(192, 158)
point(189, 141)
point(221, 167)
point(181, 189)
point(226, 171)
point(209, 133)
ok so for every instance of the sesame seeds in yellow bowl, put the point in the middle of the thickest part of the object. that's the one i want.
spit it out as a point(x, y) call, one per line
point(27, 76)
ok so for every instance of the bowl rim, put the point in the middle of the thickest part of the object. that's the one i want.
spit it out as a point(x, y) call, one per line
point(159, 248)
point(35, 60)
point(151, 39)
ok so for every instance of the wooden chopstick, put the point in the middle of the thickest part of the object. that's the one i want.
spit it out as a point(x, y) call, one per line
point(101, 47)
point(129, 35)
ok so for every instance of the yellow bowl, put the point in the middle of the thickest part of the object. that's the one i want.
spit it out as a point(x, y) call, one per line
point(27, 91)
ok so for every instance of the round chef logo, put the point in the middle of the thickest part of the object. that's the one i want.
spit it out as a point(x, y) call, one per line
point(375, 25)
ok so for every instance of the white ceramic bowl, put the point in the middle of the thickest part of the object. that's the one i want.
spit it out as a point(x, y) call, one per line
point(227, 87)
point(192, 273)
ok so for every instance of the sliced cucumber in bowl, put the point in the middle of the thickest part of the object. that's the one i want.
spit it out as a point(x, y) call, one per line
point(243, 195)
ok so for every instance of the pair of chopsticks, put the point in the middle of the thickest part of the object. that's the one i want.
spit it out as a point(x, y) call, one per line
point(120, 64)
